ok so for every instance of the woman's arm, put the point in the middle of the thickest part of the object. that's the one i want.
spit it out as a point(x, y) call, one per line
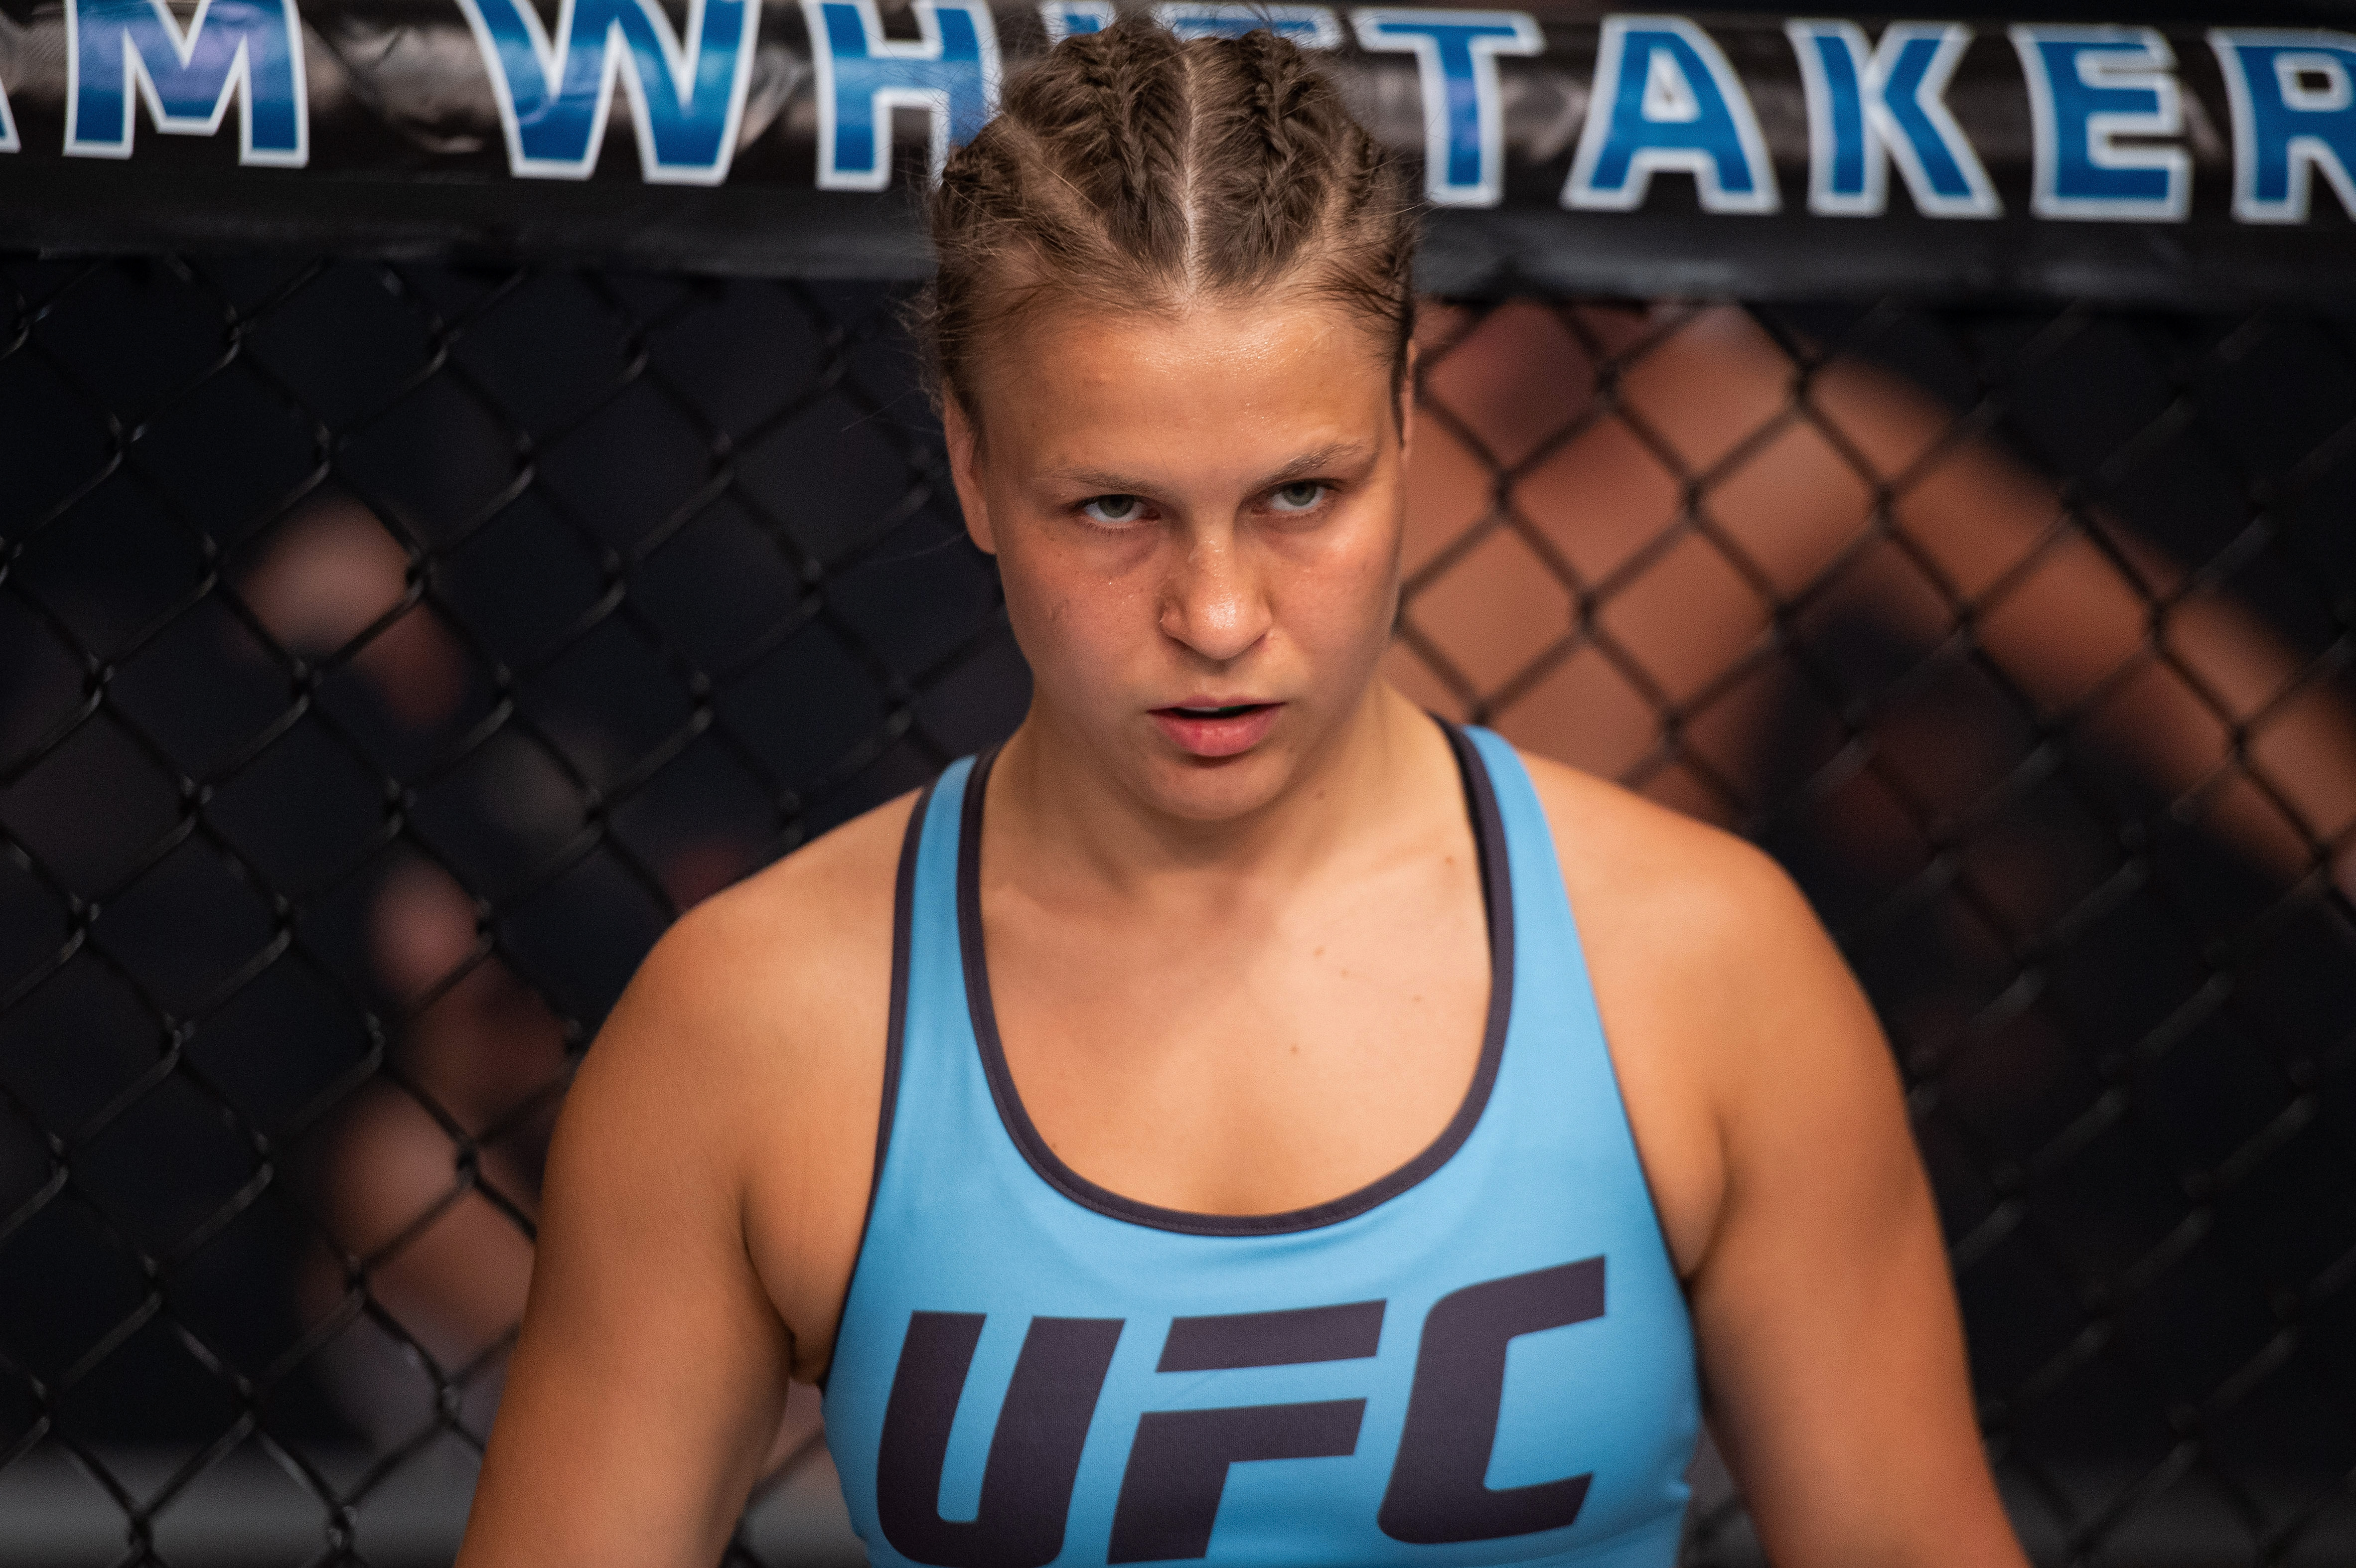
point(700, 1214)
point(1831, 1345)
point(652, 1371)
point(1775, 1141)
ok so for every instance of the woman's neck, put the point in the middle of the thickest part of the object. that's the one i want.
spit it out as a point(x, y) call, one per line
point(1064, 814)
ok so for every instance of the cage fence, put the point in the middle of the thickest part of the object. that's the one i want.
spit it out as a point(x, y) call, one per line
point(388, 653)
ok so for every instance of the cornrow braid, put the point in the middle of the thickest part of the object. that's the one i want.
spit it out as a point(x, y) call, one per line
point(1131, 170)
point(1269, 145)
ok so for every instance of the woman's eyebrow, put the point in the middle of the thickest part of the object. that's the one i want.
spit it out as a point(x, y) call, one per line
point(1333, 454)
point(1102, 482)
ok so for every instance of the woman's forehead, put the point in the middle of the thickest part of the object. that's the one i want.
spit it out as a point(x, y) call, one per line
point(1298, 371)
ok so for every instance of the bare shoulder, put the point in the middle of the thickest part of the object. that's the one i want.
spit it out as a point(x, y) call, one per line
point(1696, 900)
point(767, 1000)
point(1724, 1004)
point(793, 926)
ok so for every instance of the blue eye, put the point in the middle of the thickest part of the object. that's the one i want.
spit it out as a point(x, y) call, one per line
point(1113, 509)
point(1296, 497)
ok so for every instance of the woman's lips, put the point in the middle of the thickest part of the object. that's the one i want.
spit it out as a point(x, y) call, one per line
point(1217, 730)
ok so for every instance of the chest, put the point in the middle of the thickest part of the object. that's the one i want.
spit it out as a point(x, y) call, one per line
point(1245, 1056)
point(1481, 1356)
point(1484, 1352)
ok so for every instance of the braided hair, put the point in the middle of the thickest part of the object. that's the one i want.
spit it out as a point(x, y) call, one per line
point(1129, 170)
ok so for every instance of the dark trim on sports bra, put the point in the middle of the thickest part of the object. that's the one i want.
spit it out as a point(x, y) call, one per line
point(1497, 893)
point(896, 1026)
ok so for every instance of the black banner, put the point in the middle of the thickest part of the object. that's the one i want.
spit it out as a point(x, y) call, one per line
point(1565, 149)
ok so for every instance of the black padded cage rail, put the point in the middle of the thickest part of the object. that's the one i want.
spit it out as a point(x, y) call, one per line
point(2200, 155)
point(433, 554)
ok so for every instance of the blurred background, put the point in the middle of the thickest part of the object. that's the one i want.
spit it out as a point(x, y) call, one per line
point(389, 652)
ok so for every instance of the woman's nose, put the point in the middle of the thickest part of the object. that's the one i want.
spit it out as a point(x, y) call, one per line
point(1214, 603)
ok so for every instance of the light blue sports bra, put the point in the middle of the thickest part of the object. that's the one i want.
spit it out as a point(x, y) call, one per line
point(1482, 1358)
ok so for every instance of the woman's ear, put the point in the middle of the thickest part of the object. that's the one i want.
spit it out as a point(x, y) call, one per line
point(965, 458)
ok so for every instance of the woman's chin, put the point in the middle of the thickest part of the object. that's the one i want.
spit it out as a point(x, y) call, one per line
point(1211, 789)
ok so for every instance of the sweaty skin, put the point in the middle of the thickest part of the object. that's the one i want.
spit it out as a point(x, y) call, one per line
point(1234, 933)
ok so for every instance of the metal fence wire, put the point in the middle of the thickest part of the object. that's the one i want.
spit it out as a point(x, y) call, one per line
point(388, 652)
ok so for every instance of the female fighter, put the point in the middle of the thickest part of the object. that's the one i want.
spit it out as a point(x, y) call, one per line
point(1242, 1120)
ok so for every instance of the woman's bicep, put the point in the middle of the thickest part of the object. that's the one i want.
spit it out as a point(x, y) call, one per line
point(1830, 1341)
point(651, 1369)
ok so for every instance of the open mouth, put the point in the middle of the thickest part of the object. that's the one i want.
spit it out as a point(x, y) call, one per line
point(1236, 711)
point(1215, 730)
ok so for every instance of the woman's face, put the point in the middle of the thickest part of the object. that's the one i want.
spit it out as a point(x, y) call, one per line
point(1197, 518)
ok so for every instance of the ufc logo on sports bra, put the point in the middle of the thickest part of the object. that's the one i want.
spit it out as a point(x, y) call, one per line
point(1178, 1459)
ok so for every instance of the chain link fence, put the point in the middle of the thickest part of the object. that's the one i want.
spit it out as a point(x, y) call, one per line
point(388, 653)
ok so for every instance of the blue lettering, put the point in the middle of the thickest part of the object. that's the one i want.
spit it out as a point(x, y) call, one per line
point(1865, 107)
point(2294, 97)
point(2088, 86)
point(1311, 27)
point(686, 100)
point(951, 73)
point(1068, 19)
point(1456, 67)
point(187, 78)
point(1664, 97)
